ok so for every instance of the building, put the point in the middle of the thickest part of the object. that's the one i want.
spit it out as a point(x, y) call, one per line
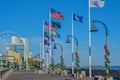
point(30, 55)
point(2, 61)
point(19, 45)
point(7, 60)
point(17, 57)
point(25, 42)
point(16, 40)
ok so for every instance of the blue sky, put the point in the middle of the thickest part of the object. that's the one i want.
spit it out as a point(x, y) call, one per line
point(25, 18)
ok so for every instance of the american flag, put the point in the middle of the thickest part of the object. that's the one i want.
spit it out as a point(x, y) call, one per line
point(56, 14)
point(47, 26)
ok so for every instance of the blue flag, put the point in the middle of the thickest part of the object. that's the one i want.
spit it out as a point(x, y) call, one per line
point(46, 42)
point(77, 18)
point(54, 33)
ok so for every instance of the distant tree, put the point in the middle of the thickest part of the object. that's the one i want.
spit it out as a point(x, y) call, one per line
point(35, 63)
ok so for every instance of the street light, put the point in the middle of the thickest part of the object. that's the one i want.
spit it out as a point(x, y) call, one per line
point(77, 57)
point(68, 40)
point(107, 62)
point(61, 57)
point(94, 29)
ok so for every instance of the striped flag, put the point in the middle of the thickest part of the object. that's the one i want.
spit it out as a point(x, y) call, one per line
point(56, 14)
point(47, 26)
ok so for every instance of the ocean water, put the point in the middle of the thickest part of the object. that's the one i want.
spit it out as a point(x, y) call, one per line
point(103, 67)
point(115, 67)
point(97, 67)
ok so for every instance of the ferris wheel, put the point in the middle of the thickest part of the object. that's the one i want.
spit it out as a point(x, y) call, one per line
point(5, 39)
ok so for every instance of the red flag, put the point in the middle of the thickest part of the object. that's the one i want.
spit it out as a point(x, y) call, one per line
point(56, 14)
point(48, 27)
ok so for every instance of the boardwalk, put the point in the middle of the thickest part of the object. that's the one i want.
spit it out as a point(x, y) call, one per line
point(36, 76)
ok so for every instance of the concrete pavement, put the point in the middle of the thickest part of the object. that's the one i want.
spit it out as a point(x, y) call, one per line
point(22, 75)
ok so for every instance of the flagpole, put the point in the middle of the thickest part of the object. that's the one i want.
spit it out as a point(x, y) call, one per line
point(43, 43)
point(40, 57)
point(40, 52)
point(50, 44)
point(72, 45)
point(89, 41)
